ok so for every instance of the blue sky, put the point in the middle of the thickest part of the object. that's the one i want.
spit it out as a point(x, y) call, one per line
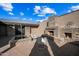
point(35, 12)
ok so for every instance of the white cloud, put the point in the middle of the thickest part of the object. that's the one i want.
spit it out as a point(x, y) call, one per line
point(39, 20)
point(21, 13)
point(43, 10)
point(42, 19)
point(40, 15)
point(29, 19)
point(6, 6)
point(48, 10)
point(11, 13)
point(69, 11)
point(37, 9)
point(73, 8)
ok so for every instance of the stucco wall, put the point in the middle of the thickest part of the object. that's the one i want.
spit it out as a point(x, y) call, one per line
point(61, 22)
point(64, 19)
point(41, 28)
point(51, 21)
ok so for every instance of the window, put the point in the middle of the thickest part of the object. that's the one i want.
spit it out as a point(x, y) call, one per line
point(68, 35)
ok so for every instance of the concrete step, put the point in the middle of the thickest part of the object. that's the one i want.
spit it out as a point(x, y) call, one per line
point(4, 48)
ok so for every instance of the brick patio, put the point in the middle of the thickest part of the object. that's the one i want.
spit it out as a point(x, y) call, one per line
point(21, 49)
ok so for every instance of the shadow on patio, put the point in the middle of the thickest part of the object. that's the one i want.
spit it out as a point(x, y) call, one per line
point(69, 49)
point(39, 49)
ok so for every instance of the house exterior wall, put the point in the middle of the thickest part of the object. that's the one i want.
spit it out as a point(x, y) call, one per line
point(31, 31)
point(68, 23)
point(34, 31)
point(41, 28)
point(64, 19)
point(6, 30)
point(51, 21)
point(75, 33)
point(3, 31)
point(10, 30)
point(62, 22)
point(27, 31)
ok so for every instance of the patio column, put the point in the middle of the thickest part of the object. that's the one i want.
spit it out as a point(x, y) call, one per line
point(30, 30)
point(21, 30)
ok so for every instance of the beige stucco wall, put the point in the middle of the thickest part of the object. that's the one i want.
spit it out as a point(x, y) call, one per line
point(31, 31)
point(41, 28)
point(51, 21)
point(59, 21)
point(64, 19)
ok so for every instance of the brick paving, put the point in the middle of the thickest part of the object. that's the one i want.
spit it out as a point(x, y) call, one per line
point(25, 48)
point(28, 47)
point(21, 49)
